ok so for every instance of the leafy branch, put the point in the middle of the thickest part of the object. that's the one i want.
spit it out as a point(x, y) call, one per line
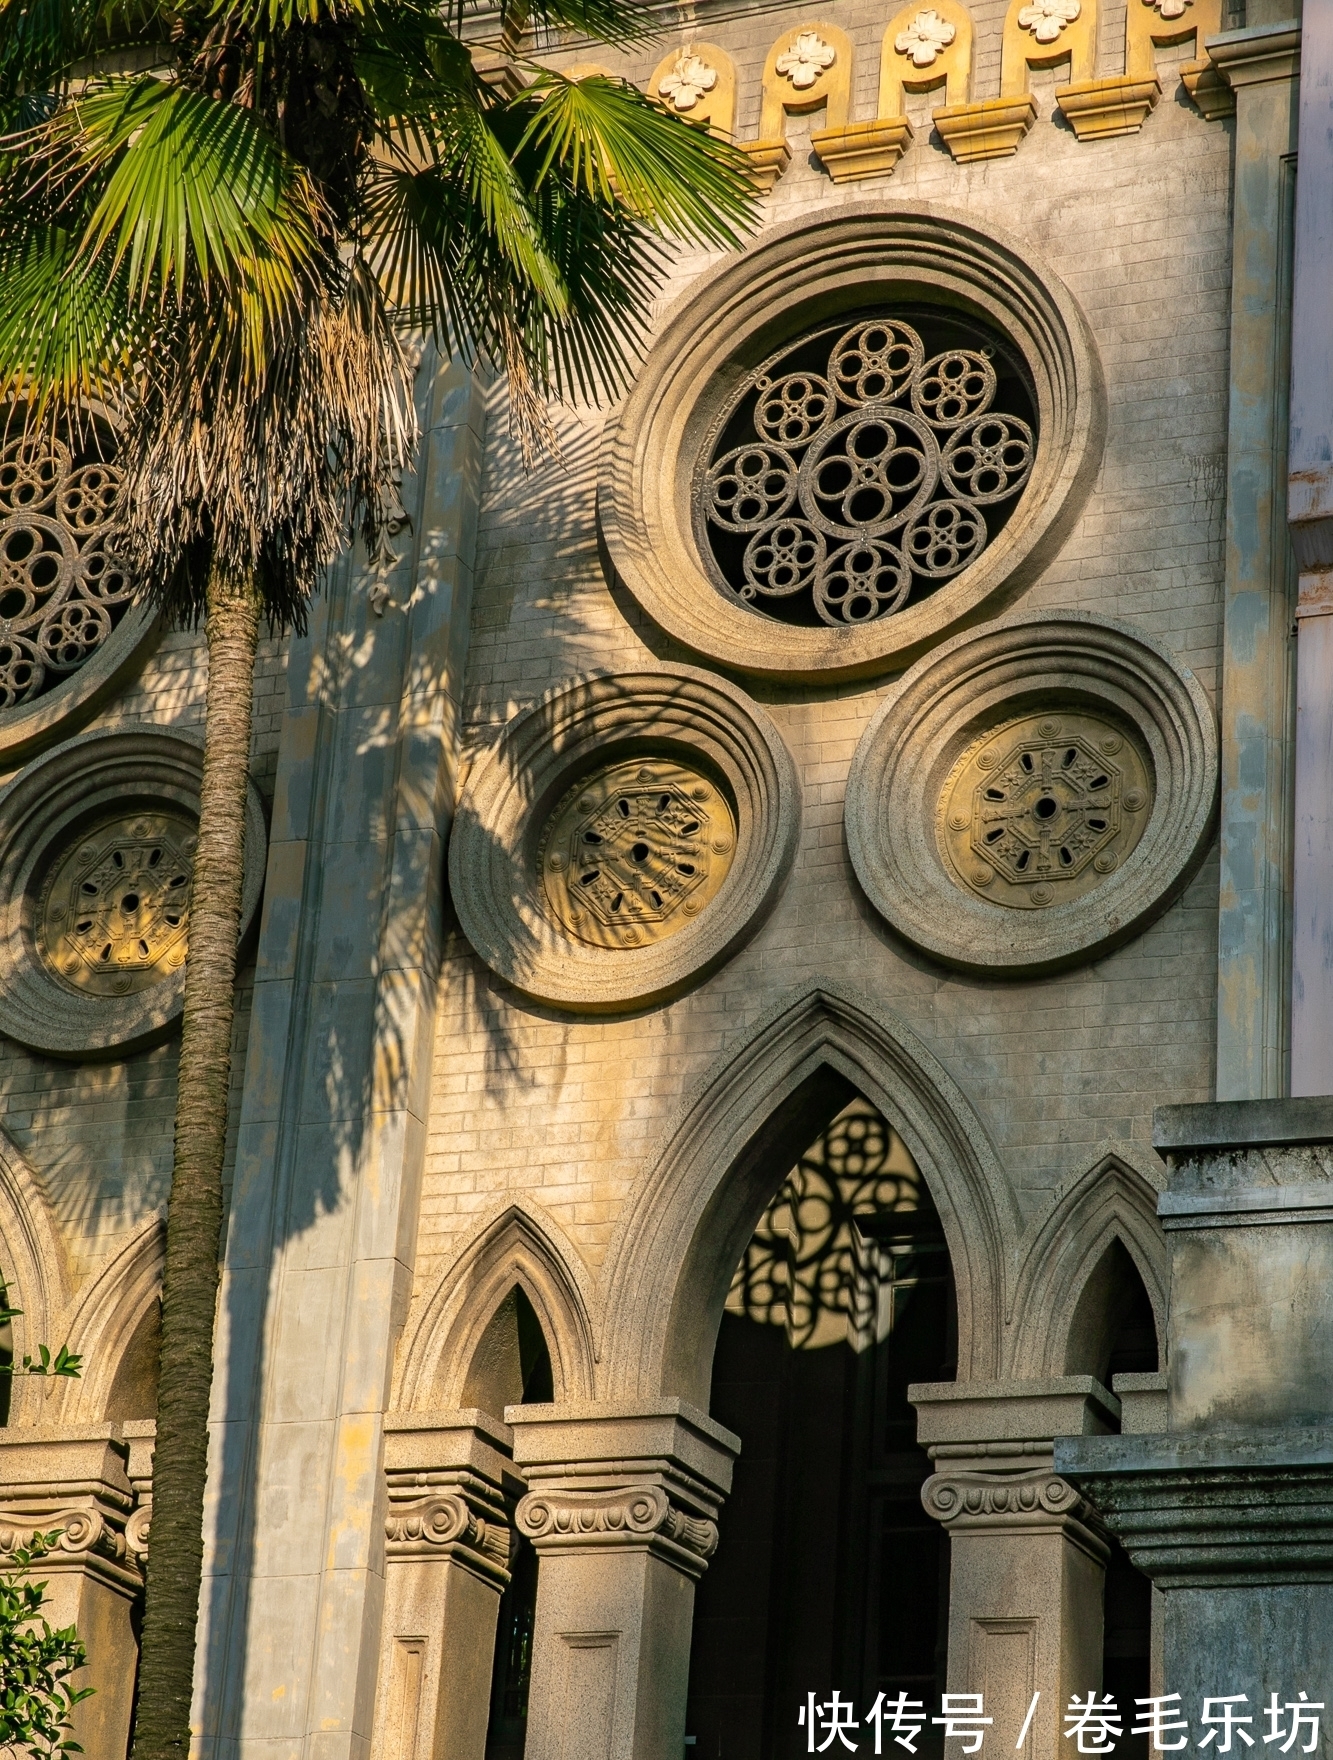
point(37, 1698)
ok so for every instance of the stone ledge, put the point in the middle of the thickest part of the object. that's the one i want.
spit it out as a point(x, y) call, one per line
point(992, 1412)
point(1182, 1131)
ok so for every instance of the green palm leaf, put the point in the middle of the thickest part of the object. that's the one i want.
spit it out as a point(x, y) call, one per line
point(65, 336)
point(193, 187)
point(623, 149)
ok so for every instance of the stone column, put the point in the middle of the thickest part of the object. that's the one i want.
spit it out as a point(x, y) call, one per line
point(1027, 1554)
point(75, 1481)
point(1310, 516)
point(1255, 698)
point(622, 1508)
point(451, 1485)
point(1229, 1510)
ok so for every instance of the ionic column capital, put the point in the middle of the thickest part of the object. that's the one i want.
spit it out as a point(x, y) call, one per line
point(636, 1515)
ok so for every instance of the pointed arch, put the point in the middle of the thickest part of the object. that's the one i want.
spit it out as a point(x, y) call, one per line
point(705, 1189)
point(105, 1318)
point(36, 1272)
point(521, 1245)
point(1115, 1199)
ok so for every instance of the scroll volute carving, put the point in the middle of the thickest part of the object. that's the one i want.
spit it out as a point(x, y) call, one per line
point(926, 47)
point(698, 82)
point(1044, 33)
point(808, 68)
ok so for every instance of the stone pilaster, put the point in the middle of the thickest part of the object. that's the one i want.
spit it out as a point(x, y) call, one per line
point(1027, 1551)
point(451, 1487)
point(622, 1508)
point(1256, 688)
point(74, 1482)
point(1229, 1509)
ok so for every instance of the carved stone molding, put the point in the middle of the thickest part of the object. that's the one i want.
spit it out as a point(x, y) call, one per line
point(137, 1531)
point(973, 1496)
point(961, 711)
point(799, 277)
point(639, 1515)
point(648, 746)
point(104, 821)
point(463, 1527)
point(1035, 1500)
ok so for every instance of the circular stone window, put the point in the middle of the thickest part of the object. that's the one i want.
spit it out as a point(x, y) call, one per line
point(850, 476)
point(97, 842)
point(69, 627)
point(1043, 808)
point(1033, 792)
point(849, 438)
point(623, 837)
point(113, 916)
point(635, 850)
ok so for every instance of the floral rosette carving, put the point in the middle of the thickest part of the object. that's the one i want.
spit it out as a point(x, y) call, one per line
point(863, 483)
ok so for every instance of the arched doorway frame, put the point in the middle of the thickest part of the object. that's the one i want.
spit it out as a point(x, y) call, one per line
point(720, 1159)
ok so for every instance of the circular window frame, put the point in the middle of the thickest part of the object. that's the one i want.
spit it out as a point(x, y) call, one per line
point(27, 726)
point(984, 679)
point(82, 782)
point(583, 726)
point(796, 278)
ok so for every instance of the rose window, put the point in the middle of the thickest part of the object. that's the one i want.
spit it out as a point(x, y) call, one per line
point(854, 473)
point(114, 916)
point(1040, 811)
point(635, 851)
point(62, 588)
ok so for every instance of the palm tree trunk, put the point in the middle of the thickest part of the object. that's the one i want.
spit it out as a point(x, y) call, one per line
point(194, 1220)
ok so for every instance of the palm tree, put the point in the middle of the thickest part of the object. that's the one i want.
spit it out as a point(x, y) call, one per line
point(221, 223)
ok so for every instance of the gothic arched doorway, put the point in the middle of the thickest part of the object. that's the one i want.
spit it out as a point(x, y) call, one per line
point(829, 1573)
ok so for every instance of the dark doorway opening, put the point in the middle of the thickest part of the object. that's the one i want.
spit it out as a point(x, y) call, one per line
point(1114, 1332)
point(512, 1367)
point(828, 1574)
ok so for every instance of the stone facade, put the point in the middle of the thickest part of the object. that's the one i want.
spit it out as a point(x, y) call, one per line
point(735, 896)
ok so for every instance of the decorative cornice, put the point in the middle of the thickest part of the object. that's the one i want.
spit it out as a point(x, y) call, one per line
point(638, 1516)
point(1257, 54)
point(1187, 1521)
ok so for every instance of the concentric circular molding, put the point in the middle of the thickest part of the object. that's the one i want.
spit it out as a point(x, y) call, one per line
point(684, 726)
point(796, 278)
point(1100, 674)
point(73, 793)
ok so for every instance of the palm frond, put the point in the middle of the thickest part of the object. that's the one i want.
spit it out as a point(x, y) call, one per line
point(66, 337)
point(39, 40)
point(193, 187)
point(622, 149)
point(256, 477)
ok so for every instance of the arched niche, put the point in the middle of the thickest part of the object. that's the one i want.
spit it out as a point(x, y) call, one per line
point(702, 1196)
point(519, 1248)
point(114, 1324)
point(511, 1365)
point(1113, 1330)
point(1111, 1205)
point(35, 1277)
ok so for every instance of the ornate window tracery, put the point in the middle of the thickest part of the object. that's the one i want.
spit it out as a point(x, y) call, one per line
point(634, 851)
point(63, 589)
point(856, 471)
